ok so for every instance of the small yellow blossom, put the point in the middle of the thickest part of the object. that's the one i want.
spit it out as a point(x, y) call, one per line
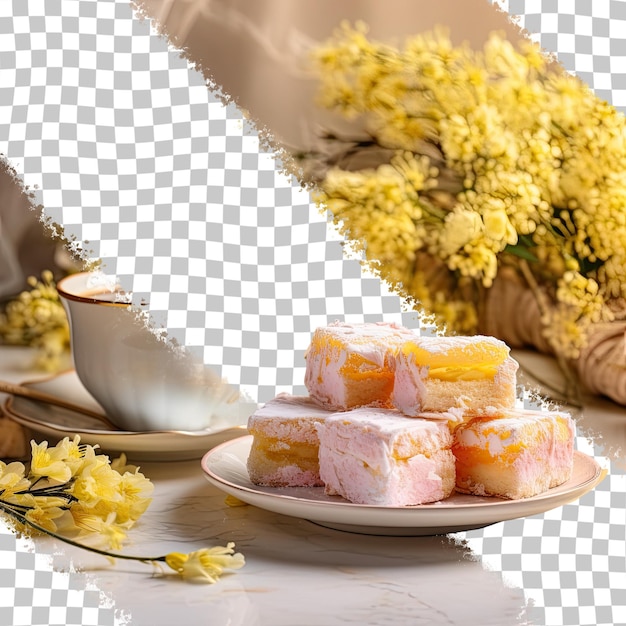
point(45, 517)
point(97, 482)
point(11, 473)
point(460, 227)
point(49, 462)
point(120, 465)
point(13, 482)
point(498, 226)
point(206, 565)
point(230, 500)
point(71, 452)
point(136, 490)
point(100, 531)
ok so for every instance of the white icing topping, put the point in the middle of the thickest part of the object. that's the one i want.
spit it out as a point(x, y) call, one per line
point(388, 422)
point(442, 345)
point(376, 436)
point(288, 417)
point(507, 427)
point(287, 406)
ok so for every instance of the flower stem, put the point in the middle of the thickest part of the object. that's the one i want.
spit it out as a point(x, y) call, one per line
point(24, 520)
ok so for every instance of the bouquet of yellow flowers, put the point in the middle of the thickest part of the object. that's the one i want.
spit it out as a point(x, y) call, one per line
point(489, 191)
point(36, 318)
point(72, 493)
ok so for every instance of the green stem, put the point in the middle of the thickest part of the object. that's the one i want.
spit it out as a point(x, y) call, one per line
point(24, 520)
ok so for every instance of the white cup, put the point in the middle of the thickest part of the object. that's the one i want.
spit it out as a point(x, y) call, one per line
point(142, 382)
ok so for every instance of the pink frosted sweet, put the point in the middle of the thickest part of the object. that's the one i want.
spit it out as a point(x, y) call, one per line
point(514, 454)
point(284, 450)
point(378, 456)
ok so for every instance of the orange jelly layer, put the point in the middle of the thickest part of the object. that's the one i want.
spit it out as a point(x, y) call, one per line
point(471, 361)
point(527, 435)
point(356, 366)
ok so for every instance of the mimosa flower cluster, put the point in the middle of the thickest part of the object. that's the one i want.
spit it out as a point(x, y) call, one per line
point(72, 493)
point(36, 318)
point(491, 158)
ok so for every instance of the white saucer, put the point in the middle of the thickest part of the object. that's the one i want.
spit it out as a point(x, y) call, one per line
point(225, 467)
point(55, 423)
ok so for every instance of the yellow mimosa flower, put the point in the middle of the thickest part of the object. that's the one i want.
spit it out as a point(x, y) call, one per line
point(532, 163)
point(37, 318)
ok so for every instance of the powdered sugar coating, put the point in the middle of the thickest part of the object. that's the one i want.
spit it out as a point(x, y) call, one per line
point(514, 454)
point(330, 368)
point(378, 456)
point(288, 417)
point(284, 450)
point(445, 344)
point(376, 434)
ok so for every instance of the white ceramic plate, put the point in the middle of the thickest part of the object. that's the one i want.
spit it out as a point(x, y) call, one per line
point(55, 423)
point(225, 467)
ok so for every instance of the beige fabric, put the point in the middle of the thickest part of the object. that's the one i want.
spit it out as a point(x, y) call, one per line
point(255, 50)
point(512, 314)
point(24, 248)
point(602, 365)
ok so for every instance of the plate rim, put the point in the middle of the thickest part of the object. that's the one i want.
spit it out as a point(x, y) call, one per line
point(427, 511)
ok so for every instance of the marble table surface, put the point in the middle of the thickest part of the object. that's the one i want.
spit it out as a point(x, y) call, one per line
point(298, 573)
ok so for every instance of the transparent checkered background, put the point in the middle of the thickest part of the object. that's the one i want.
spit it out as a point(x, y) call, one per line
point(31, 592)
point(147, 170)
